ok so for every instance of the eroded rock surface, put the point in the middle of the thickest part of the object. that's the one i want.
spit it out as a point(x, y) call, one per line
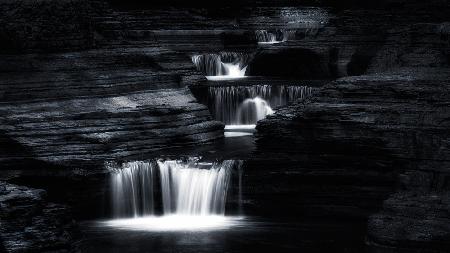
point(31, 224)
point(374, 124)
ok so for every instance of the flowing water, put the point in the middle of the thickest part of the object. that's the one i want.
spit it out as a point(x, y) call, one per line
point(221, 66)
point(189, 189)
point(278, 36)
point(245, 105)
point(132, 189)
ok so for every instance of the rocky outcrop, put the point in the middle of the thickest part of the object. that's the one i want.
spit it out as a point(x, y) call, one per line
point(342, 43)
point(416, 221)
point(45, 25)
point(100, 104)
point(389, 122)
point(31, 224)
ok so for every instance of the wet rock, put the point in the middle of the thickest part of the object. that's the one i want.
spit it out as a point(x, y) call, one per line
point(100, 104)
point(376, 124)
point(31, 224)
point(45, 25)
point(413, 220)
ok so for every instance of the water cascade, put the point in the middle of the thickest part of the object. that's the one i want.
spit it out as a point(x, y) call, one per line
point(252, 110)
point(187, 187)
point(243, 105)
point(221, 66)
point(192, 194)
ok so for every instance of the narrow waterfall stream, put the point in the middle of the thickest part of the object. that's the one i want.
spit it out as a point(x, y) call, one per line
point(193, 194)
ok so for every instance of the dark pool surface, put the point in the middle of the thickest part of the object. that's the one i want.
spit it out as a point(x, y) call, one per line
point(248, 235)
point(240, 147)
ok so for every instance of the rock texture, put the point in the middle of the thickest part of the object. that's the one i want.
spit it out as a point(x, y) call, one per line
point(372, 145)
point(390, 121)
point(418, 222)
point(31, 224)
point(100, 104)
point(45, 25)
point(373, 125)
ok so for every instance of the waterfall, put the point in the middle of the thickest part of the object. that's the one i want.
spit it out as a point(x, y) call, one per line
point(187, 187)
point(239, 105)
point(252, 110)
point(221, 66)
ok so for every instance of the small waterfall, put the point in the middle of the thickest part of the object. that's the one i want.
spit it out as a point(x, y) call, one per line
point(252, 110)
point(187, 187)
point(239, 105)
point(221, 66)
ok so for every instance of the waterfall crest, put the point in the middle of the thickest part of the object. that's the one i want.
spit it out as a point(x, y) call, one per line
point(239, 105)
point(186, 187)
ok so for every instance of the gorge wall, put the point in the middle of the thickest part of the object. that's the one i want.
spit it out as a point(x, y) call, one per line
point(390, 120)
point(84, 82)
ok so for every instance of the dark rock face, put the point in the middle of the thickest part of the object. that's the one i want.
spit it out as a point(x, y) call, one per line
point(371, 146)
point(31, 224)
point(45, 25)
point(375, 124)
point(416, 221)
point(391, 120)
point(100, 105)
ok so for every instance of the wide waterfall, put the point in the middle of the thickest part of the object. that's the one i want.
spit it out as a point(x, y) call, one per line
point(186, 187)
point(225, 65)
point(243, 105)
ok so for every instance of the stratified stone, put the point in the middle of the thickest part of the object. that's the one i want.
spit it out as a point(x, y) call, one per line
point(417, 221)
point(98, 105)
point(31, 224)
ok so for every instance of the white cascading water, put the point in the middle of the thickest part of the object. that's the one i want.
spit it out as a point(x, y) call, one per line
point(243, 105)
point(189, 190)
point(193, 195)
point(221, 66)
point(263, 36)
point(132, 189)
point(252, 110)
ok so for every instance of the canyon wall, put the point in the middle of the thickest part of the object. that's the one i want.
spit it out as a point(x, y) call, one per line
point(390, 120)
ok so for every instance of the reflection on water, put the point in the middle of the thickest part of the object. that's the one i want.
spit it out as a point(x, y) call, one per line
point(244, 235)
